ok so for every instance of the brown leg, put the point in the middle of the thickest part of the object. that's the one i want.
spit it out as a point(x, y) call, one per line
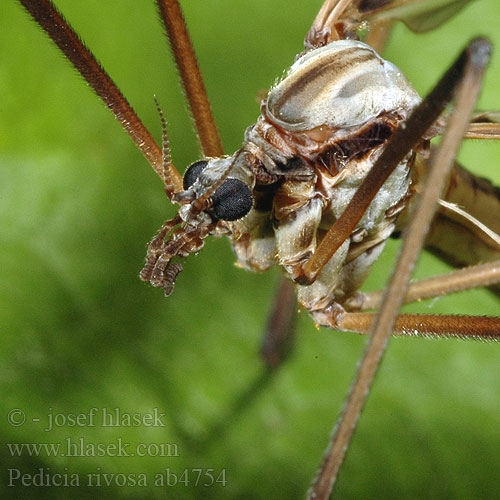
point(466, 75)
point(326, 27)
point(416, 325)
point(456, 281)
point(339, 19)
point(192, 82)
point(54, 24)
point(279, 335)
point(484, 125)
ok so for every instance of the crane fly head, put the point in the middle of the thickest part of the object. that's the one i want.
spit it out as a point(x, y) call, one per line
point(216, 191)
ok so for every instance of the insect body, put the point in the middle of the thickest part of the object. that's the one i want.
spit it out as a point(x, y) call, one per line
point(327, 122)
point(321, 129)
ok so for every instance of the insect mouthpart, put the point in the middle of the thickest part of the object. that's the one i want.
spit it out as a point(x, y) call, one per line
point(209, 199)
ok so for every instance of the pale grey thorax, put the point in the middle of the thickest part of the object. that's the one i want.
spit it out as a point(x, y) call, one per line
point(343, 84)
point(329, 95)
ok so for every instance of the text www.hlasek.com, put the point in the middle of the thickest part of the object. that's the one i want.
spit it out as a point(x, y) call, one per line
point(80, 447)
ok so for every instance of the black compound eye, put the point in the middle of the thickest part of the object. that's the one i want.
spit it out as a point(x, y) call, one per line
point(192, 173)
point(232, 200)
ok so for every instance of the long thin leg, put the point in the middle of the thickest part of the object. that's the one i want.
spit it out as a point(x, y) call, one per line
point(192, 82)
point(467, 72)
point(416, 325)
point(484, 130)
point(324, 29)
point(456, 281)
point(427, 325)
point(280, 328)
point(339, 19)
point(54, 24)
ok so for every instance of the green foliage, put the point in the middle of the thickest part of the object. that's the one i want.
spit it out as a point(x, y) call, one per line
point(78, 330)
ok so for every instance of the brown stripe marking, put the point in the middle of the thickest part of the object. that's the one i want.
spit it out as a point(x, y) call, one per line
point(333, 63)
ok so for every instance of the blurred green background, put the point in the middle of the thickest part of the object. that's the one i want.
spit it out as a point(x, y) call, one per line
point(79, 330)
